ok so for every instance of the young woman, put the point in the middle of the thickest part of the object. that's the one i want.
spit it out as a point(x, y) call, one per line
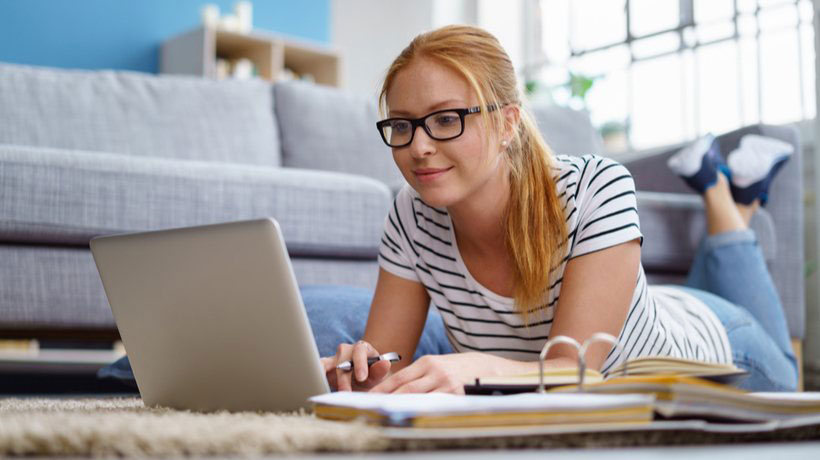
point(512, 244)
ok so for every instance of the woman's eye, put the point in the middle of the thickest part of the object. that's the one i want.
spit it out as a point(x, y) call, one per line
point(446, 120)
point(400, 126)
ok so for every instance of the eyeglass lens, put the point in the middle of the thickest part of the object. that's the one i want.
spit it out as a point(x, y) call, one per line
point(440, 126)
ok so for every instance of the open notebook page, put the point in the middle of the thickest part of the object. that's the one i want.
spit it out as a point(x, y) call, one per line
point(445, 403)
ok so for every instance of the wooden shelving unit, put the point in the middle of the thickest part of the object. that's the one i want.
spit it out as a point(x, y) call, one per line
point(196, 53)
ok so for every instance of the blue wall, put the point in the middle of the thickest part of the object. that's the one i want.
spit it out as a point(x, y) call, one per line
point(126, 34)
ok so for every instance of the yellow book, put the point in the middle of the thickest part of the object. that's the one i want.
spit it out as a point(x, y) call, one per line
point(650, 365)
point(441, 410)
point(522, 383)
point(683, 397)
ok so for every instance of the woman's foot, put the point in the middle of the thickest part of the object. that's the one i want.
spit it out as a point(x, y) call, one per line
point(698, 163)
point(754, 164)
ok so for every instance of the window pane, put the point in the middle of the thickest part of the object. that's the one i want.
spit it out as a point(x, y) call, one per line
point(746, 25)
point(551, 76)
point(746, 6)
point(654, 46)
point(555, 29)
point(601, 62)
point(717, 76)
point(765, 3)
point(749, 102)
point(595, 23)
point(648, 16)
point(778, 18)
point(780, 88)
point(657, 112)
point(806, 11)
point(689, 37)
point(713, 10)
point(689, 95)
point(504, 21)
point(608, 98)
point(716, 31)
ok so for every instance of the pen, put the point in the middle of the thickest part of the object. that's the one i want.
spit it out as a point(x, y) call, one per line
point(392, 357)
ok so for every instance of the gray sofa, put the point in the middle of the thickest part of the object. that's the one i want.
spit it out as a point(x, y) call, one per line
point(86, 153)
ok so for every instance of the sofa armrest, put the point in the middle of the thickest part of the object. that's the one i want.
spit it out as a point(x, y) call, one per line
point(785, 207)
point(673, 225)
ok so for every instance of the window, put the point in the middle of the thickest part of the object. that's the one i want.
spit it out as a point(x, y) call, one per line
point(666, 71)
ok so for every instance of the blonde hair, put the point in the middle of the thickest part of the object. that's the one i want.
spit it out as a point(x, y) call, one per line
point(535, 224)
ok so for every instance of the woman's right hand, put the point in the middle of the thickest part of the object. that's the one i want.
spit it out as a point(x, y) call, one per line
point(362, 377)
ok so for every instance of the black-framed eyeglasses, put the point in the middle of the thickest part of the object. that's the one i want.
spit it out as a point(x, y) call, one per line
point(441, 125)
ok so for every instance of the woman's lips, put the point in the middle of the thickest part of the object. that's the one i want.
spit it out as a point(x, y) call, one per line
point(430, 174)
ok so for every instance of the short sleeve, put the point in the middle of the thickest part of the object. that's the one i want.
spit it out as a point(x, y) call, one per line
point(395, 252)
point(608, 211)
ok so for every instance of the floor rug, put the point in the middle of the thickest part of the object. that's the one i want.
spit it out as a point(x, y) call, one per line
point(125, 427)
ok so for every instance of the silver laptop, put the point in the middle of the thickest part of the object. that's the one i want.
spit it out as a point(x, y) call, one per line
point(211, 317)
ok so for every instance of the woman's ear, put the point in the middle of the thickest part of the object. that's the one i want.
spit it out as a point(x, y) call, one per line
point(512, 117)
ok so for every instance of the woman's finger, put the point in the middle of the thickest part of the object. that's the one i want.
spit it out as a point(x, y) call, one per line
point(343, 378)
point(361, 351)
point(425, 384)
point(408, 374)
point(377, 372)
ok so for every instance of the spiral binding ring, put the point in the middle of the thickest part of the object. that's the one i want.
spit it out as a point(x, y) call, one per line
point(543, 356)
point(582, 350)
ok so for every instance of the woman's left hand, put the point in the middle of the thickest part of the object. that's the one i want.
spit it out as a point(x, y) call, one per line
point(447, 373)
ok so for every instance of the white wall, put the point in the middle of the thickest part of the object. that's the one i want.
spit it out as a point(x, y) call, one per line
point(371, 33)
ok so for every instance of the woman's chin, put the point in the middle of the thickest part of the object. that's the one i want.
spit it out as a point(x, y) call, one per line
point(436, 198)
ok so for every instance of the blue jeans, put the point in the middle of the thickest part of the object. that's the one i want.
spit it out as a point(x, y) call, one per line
point(730, 276)
point(338, 314)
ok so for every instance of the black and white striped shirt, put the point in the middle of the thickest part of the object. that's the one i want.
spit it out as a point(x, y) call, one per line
point(598, 195)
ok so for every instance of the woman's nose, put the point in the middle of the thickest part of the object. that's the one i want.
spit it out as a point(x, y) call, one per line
point(423, 145)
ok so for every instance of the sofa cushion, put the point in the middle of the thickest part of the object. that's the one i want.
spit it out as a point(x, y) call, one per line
point(673, 225)
point(67, 197)
point(138, 114)
point(567, 131)
point(324, 128)
point(58, 288)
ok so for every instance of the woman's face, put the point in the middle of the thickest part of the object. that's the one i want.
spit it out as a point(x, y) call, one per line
point(445, 173)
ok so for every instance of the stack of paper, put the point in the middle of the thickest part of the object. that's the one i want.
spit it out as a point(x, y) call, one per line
point(657, 365)
point(683, 397)
point(438, 410)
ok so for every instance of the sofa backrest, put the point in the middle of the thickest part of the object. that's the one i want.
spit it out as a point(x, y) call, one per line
point(325, 128)
point(567, 131)
point(138, 114)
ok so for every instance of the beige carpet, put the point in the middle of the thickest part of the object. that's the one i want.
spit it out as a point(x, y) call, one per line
point(125, 427)
point(105, 427)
